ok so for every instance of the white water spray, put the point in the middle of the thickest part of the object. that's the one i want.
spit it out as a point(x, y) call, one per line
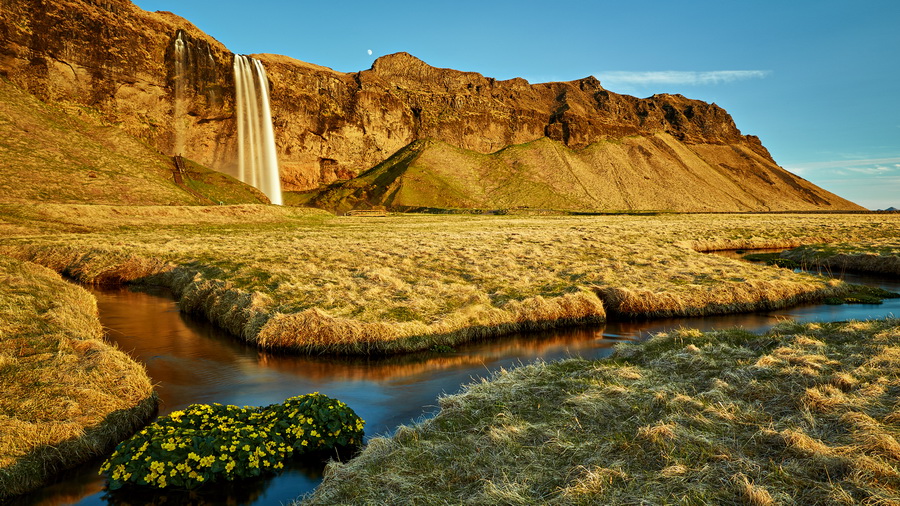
point(257, 158)
point(180, 77)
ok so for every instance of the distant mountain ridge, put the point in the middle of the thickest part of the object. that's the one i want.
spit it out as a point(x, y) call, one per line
point(118, 61)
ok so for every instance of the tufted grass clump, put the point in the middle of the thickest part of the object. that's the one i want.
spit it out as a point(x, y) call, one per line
point(66, 394)
point(213, 442)
point(804, 414)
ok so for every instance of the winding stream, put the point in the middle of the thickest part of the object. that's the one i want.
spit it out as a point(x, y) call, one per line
point(194, 362)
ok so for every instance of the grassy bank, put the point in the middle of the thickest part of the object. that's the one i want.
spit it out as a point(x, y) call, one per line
point(300, 280)
point(65, 395)
point(879, 256)
point(805, 414)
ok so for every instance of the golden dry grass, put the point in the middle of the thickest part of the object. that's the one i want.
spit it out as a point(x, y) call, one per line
point(43, 218)
point(298, 280)
point(877, 255)
point(67, 396)
point(805, 414)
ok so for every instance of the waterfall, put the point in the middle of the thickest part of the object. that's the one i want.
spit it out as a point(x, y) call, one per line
point(178, 113)
point(257, 158)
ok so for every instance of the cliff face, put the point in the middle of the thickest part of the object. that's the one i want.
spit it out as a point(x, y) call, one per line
point(335, 125)
point(113, 62)
point(110, 61)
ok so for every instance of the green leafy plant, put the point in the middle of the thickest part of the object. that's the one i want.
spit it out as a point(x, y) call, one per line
point(210, 442)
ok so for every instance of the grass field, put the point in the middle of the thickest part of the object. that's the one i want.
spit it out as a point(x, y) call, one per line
point(805, 414)
point(305, 280)
point(308, 281)
point(67, 396)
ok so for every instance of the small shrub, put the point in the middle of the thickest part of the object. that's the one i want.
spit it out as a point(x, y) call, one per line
point(206, 442)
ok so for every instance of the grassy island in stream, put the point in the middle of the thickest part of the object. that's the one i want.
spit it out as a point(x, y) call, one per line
point(307, 281)
point(67, 396)
point(872, 256)
point(804, 414)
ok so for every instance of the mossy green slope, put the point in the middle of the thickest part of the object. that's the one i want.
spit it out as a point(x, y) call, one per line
point(52, 154)
point(655, 172)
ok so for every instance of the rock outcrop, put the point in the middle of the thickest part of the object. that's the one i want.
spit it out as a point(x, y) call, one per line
point(114, 62)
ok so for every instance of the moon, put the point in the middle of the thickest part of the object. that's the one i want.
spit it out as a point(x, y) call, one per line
point(370, 52)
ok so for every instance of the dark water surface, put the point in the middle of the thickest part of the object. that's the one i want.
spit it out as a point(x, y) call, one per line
point(194, 362)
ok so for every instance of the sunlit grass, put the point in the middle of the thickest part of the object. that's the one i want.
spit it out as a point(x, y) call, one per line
point(65, 394)
point(877, 255)
point(300, 280)
point(805, 414)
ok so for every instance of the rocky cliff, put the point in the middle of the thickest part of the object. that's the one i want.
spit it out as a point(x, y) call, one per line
point(111, 62)
point(108, 59)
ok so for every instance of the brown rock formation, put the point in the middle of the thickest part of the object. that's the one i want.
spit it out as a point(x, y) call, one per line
point(112, 58)
point(116, 59)
point(341, 124)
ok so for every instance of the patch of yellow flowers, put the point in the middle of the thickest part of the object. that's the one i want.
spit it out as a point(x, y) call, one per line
point(210, 442)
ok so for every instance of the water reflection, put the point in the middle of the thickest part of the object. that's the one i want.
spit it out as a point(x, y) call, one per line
point(192, 361)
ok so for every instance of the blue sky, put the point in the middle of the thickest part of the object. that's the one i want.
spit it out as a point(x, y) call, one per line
point(817, 80)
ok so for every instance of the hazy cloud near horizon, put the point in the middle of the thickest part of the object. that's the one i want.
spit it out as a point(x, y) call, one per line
point(869, 182)
point(679, 76)
point(844, 164)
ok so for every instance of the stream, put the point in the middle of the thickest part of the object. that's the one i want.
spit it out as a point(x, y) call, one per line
point(193, 361)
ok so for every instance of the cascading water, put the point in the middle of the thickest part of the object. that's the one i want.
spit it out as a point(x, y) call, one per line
point(257, 158)
point(181, 65)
